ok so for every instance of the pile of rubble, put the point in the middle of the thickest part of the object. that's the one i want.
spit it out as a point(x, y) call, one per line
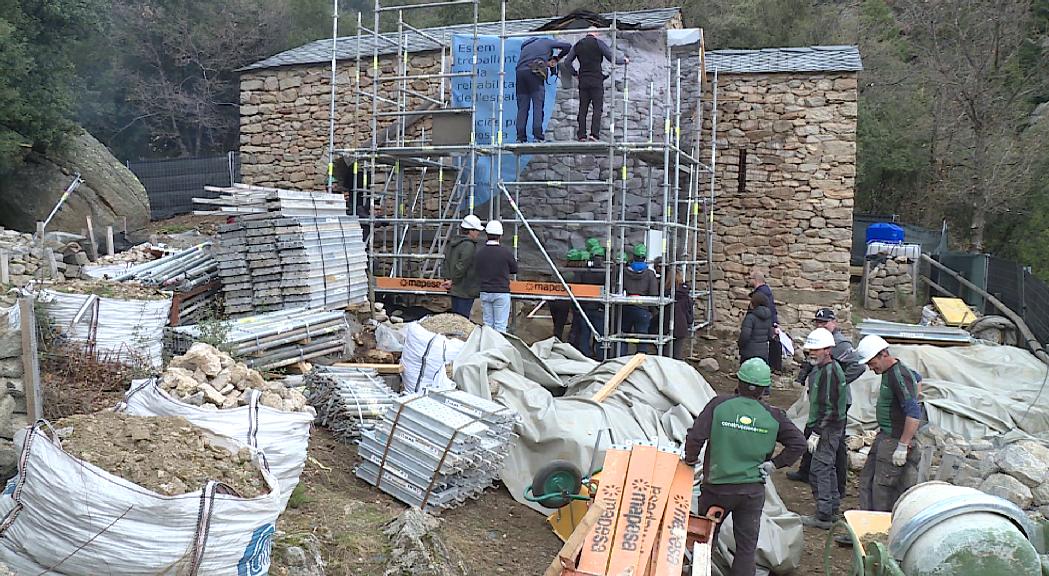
point(207, 377)
point(28, 261)
point(165, 454)
point(144, 252)
point(890, 285)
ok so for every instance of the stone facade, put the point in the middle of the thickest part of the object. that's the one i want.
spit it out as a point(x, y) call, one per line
point(889, 285)
point(12, 397)
point(793, 134)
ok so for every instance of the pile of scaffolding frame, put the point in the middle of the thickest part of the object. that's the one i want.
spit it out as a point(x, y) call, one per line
point(394, 166)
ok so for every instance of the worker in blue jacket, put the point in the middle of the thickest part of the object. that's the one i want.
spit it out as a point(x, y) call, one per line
point(538, 57)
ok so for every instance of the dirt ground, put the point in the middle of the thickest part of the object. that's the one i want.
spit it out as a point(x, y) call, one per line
point(347, 514)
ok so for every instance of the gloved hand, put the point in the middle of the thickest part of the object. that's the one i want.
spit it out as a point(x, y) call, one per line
point(813, 442)
point(899, 455)
point(684, 459)
point(766, 468)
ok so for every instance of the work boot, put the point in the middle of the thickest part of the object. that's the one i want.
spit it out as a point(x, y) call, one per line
point(798, 476)
point(843, 540)
point(817, 522)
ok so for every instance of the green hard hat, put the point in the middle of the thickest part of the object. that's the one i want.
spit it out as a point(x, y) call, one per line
point(577, 255)
point(640, 250)
point(755, 372)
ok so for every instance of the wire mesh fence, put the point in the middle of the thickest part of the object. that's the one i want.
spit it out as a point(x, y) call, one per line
point(172, 184)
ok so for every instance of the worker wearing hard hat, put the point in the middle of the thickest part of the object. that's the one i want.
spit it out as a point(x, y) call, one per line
point(494, 263)
point(638, 280)
point(892, 463)
point(742, 432)
point(826, 425)
point(844, 354)
point(460, 277)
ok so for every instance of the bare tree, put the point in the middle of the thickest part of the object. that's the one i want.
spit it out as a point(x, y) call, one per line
point(974, 60)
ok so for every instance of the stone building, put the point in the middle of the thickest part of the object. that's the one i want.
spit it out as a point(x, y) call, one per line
point(785, 166)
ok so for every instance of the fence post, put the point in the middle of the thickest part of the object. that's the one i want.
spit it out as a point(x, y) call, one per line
point(34, 400)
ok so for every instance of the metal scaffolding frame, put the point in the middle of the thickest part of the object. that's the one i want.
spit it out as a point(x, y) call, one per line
point(409, 230)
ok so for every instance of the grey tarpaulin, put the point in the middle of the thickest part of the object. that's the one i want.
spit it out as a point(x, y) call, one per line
point(657, 402)
point(973, 391)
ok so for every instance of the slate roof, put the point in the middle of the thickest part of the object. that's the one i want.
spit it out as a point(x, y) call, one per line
point(771, 60)
point(320, 51)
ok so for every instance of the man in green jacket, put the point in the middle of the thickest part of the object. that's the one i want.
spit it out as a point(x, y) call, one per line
point(741, 433)
point(461, 280)
point(828, 393)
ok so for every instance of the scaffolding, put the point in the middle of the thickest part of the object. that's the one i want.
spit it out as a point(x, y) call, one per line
point(411, 192)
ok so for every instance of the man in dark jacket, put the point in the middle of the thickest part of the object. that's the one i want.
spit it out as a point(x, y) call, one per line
point(533, 66)
point(494, 264)
point(638, 280)
point(581, 336)
point(741, 433)
point(757, 281)
point(843, 354)
point(754, 332)
point(682, 312)
point(827, 393)
point(461, 280)
point(591, 51)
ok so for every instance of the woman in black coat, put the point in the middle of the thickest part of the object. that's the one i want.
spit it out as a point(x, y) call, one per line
point(754, 333)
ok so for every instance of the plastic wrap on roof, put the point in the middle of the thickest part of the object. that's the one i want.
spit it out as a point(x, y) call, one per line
point(683, 37)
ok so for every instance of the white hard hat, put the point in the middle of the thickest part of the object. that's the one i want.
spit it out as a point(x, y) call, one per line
point(495, 228)
point(869, 347)
point(471, 222)
point(818, 339)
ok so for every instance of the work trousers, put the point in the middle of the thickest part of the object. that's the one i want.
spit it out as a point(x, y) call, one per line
point(582, 337)
point(531, 94)
point(636, 320)
point(745, 507)
point(591, 93)
point(495, 309)
point(841, 462)
point(881, 481)
point(559, 314)
point(462, 306)
point(823, 475)
point(775, 354)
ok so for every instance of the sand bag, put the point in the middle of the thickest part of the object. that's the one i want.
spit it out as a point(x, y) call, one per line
point(281, 436)
point(426, 352)
point(62, 515)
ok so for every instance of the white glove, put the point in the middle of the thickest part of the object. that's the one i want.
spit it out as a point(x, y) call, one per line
point(766, 468)
point(899, 455)
point(813, 442)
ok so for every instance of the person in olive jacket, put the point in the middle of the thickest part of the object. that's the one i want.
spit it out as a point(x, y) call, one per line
point(461, 278)
point(754, 333)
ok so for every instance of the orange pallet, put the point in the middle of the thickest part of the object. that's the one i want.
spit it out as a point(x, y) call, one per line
point(598, 543)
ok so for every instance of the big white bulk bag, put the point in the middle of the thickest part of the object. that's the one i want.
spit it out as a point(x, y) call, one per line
point(424, 356)
point(281, 436)
point(62, 515)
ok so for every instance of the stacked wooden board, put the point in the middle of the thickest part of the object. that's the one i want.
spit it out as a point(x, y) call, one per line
point(645, 497)
point(242, 199)
point(268, 262)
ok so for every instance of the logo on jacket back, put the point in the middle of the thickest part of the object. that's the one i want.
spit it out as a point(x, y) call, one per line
point(744, 423)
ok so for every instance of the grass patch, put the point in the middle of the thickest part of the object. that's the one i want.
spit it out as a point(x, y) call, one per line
point(174, 228)
point(298, 496)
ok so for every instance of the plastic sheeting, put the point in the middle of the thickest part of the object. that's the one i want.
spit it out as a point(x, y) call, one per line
point(658, 401)
point(975, 391)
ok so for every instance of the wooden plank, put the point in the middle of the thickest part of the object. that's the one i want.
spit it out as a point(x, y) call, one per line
point(380, 368)
point(91, 243)
point(5, 267)
point(636, 489)
point(598, 543)
point(955, 311)
point(34, 400)
point(570, 551)
point(662, 478)
point(674, 529)
point(518, 287)
point(618, 378)
point(109, 240)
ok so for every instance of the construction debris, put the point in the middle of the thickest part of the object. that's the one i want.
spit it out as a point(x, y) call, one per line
point(273, 340)
point(241, 199)
point(28, 260)
point(268, 262)
point(436, 451)
point(165, 454)
point(416, 548)
point(348, 400)
point(205, 376)
point(450, 325)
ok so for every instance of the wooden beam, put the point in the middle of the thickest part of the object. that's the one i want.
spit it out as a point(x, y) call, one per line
point(91, 243)
point(618, 378)
point(570, 551)
point(1028, 336)
point(937, 287)
point(5, 267)
point(109, 240)
point(34, 400)
point(380, 368)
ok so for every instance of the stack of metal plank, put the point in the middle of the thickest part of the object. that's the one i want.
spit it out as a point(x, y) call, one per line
point(242, 199)
point(348, 400)
point(915, 333)
point(269, 262)
point(182, 270)
point(436, 451)
point(273, 340)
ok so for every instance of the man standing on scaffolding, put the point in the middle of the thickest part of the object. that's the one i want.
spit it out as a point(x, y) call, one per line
point(591, 51)
point(533, 67)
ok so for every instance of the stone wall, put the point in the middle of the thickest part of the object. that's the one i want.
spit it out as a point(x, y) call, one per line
point(889, 285)
point(12, 397)
point(793, 136)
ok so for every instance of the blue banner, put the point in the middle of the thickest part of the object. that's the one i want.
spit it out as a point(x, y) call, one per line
point(486, 112)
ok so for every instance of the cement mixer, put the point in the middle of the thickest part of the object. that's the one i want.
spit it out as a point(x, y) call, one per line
point(938, 529)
